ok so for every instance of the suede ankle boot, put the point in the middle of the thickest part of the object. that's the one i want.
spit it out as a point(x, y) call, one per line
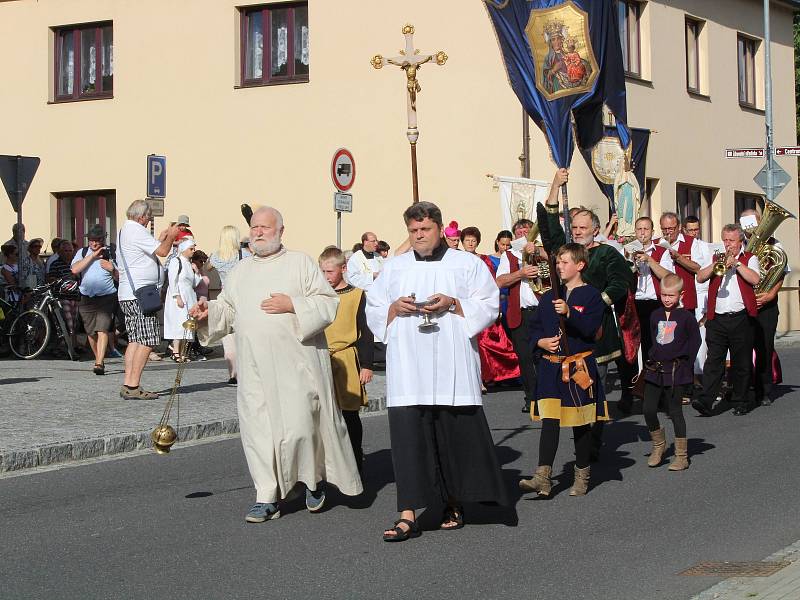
point(540, 482)
point(581, 485)
point(681, 460)
point(659, 446)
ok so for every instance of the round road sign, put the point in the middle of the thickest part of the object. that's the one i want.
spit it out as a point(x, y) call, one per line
point(343, 170)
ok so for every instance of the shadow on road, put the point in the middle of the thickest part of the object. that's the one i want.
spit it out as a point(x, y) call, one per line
point(11, 380)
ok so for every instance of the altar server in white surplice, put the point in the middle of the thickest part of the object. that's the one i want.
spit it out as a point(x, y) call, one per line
point(442, 450)
point(365, 265)
point(279, 304)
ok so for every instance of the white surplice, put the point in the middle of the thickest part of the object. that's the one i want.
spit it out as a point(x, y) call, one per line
point(291, 428)
point(440, 366)
point(361, 270)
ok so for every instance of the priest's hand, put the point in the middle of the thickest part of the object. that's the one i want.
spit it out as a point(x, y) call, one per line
point(404, 305)
point(277, 304)
point(550, 344)
point(438, 303)
point(200, 310)
point(365, 376)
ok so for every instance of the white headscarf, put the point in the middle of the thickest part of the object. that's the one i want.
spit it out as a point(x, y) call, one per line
point(186, 243)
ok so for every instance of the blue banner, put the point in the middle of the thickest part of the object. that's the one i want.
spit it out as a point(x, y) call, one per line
point(564, 62)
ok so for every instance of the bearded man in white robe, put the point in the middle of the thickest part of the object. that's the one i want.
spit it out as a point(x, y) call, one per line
point(442, 450)
point(279, 304)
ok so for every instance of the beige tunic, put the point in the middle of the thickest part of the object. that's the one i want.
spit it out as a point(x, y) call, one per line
point(291, 429)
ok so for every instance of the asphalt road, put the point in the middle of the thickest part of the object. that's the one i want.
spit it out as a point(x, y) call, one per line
point(172, 526)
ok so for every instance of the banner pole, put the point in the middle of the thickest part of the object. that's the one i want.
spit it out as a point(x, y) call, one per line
point(567, 225)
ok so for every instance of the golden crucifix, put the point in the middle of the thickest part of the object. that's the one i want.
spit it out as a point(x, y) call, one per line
point(410, 60)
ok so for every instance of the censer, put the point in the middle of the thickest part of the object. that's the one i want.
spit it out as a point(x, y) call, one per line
point(164, 435)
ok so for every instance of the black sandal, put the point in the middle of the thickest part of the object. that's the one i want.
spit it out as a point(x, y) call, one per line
point(452, 514)
point(401, 535)
point(99, 369)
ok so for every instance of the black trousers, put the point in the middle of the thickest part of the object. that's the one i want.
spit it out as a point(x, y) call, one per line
point(355, 432)
point(765, 326)
point(627, 371)
point(521, 340)
point(667, 398)
point(725, 332)
point(548, 443)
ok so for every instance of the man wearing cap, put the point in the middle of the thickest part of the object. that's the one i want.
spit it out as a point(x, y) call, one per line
point(98, 293)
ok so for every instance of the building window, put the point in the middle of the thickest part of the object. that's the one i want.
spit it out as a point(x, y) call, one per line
point(746, 201)
point(628, 15)
point(693, 28)
point(696, 202)
point(274, 44)
point(84, 62)
point(747, 70)
point(76, 212)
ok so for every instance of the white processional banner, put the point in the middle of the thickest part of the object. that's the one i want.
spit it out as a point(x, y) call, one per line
point(519, 197)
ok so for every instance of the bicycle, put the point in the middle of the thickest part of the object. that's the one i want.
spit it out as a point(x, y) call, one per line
point(32, 331)
point(8, 312)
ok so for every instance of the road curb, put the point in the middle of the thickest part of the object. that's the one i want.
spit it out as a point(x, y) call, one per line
point(119, 443)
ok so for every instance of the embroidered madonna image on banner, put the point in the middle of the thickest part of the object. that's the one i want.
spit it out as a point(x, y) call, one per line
point(562, 51)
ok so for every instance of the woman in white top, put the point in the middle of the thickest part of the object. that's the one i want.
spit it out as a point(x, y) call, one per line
point(181, 295)
point(223, 259)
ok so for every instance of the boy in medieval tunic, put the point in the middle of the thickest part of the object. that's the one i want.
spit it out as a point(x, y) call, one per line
point(568, 391)
point(442, 450)
point(350, 344)
point(668, 369)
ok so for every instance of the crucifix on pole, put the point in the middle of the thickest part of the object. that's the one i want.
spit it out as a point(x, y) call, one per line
point(410, 60)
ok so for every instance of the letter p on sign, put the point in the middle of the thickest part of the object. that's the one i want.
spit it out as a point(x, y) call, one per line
point(156, 176)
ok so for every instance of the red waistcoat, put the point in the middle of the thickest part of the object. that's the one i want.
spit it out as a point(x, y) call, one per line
point(689, 299)
point(513, 312)
point(747, 290)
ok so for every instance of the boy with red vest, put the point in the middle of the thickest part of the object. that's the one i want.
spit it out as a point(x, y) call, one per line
point(729, 322)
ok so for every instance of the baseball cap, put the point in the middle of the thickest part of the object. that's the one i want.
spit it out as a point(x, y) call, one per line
point(182, 220)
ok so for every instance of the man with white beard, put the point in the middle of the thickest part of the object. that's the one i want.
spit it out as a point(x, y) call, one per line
point(279, 304)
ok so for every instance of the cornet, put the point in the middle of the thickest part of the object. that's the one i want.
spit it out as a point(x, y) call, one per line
point(720, 258)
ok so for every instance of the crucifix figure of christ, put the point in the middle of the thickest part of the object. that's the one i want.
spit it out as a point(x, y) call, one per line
point(410, 60)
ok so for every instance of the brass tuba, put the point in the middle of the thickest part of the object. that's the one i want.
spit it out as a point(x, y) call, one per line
point(542, 282)
point(771, 259)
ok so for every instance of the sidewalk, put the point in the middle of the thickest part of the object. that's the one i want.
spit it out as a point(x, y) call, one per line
point(55, 411)
point(783, 585)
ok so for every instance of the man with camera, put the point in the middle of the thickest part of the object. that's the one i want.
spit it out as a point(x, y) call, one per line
point(98, 293)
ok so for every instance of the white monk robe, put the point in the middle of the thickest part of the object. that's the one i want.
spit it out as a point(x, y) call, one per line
point(291, 428)
point(361, 269)
point(441, 444)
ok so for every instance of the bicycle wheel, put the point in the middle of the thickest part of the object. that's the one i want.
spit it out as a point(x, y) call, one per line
point(63, 330)
point(30, 333)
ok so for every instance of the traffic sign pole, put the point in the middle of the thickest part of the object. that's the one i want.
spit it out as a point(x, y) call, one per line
point(768, 101)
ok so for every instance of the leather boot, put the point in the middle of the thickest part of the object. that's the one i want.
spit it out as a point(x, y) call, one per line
point(581, 485)
point(681, 460)
point(659, 446)
point(540, 482)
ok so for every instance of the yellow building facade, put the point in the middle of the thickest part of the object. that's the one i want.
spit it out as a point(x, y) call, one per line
point(249, 102)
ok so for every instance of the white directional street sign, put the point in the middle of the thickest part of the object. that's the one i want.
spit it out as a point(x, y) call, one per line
point(744, 153)
point(779, 179)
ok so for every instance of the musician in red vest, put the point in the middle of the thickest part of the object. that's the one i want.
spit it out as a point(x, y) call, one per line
point(730, 316)
point(522, 304)
point(651, 264)
point(688, 256)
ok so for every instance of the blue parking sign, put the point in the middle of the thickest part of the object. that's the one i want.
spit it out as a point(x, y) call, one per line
point(156, 176)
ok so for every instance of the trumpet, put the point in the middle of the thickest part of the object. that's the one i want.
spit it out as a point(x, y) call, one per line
point(720, 258)
point(542, 282)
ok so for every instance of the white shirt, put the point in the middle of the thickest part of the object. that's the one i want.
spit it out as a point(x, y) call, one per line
point(138, 247)
point(645, 288)
point(526, 296)
point(729, 296)
point(699, 254)
point(361, 270)
point(440, 366)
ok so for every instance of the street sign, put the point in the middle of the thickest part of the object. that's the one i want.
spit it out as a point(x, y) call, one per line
point(17, 173)
point(779, 179)
point(156, 206)
point(156, 176)
point(744, 153)
point(342, 202)
point(787, 151)
point(343, 170)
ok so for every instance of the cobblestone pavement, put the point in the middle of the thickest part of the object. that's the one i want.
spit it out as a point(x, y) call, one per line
point(57, 410)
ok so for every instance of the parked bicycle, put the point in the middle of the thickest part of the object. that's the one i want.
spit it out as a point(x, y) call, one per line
point(35, 329)
point(8, 312)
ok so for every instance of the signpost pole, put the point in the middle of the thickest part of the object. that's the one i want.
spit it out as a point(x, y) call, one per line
point(21, 254)
point(768, 102)
point(339, 229)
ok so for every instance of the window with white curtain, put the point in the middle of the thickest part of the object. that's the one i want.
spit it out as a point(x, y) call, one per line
point(274, 43)
point(84, 62)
